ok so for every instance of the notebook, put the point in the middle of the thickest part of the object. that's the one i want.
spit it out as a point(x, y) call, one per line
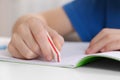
point(72, 56)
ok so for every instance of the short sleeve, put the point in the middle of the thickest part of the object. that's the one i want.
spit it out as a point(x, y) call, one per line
point(86, 17)
point(113, 14)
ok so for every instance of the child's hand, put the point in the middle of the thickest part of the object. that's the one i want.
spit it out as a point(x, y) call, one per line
point(106, 40)
point(29, 38)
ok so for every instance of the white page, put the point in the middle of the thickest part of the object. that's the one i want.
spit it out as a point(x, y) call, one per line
point(70, 54)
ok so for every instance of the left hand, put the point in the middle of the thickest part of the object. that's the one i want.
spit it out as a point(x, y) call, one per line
point(106, 40)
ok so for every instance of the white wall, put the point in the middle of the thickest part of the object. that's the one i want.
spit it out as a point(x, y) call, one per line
point(10, 10)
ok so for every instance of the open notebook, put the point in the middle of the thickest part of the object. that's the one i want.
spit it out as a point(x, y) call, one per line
point(72, 55)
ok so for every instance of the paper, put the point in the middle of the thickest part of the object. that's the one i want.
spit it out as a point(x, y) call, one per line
point(71, 54)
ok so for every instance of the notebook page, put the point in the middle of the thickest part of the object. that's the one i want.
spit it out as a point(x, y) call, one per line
point(71, 53)
point(112, 55)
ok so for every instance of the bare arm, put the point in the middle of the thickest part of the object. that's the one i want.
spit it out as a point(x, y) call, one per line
point(58, 20)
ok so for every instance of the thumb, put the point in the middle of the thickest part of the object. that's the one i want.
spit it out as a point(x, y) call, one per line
point(57, 39)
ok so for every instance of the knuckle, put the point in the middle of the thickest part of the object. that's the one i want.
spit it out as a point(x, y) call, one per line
point(31, 19)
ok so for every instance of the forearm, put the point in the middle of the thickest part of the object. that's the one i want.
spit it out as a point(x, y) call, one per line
point(57, 20)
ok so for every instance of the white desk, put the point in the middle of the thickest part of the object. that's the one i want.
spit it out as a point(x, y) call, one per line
point(17, 71)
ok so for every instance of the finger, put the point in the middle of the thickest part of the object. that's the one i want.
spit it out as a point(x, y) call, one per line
point(103, 33)
point(100, 44)
point(22, 48)
point(115, 45)
point(96, 38)
point(57, 39)
point(100, 35)
point(28, 38)
point(14, 52)
point(40, 35)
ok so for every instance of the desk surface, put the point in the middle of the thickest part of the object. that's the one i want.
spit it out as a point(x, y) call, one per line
point(17, 71)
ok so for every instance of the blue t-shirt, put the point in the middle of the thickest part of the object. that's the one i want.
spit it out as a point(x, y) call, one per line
point(89, 17)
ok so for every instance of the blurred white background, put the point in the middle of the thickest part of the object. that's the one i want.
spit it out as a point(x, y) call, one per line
point(10, 10)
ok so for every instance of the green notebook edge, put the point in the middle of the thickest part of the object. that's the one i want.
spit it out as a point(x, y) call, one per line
point(89, 59)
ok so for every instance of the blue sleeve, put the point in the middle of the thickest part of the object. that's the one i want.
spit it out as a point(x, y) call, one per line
point(86, 17)
point(113, 14)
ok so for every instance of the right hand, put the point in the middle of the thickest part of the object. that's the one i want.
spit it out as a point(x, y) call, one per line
point(29, 38)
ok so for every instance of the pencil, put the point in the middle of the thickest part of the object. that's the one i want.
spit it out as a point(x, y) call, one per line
point(55, 51)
